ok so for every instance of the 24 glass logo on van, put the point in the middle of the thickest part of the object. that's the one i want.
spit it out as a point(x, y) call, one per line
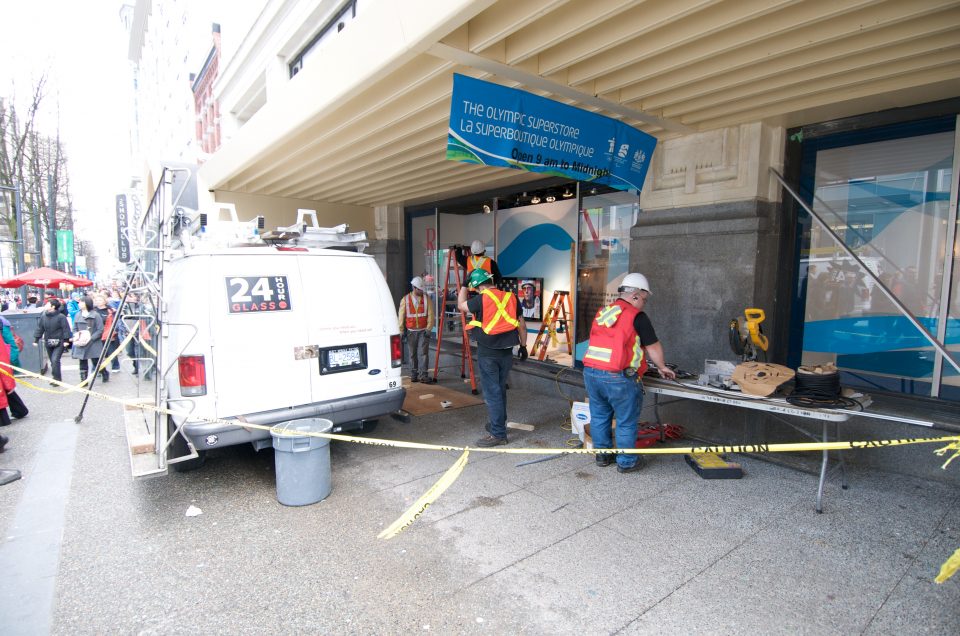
point(253, 294)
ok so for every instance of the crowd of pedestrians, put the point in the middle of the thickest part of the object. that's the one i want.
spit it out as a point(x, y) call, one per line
point(83, 323)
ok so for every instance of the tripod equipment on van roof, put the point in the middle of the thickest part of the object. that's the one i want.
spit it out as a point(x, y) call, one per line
point(192, 230)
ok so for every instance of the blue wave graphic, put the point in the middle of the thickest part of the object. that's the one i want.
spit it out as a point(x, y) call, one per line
point(522, 248)
point(872, 334)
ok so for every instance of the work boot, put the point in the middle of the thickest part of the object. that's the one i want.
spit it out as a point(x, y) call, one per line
point(641, 462)
point(604, 459)
point(490, 440)
point(105, 375)
point(83, 376)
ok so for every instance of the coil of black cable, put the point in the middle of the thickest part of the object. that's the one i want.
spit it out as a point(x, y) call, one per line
point(819, 388)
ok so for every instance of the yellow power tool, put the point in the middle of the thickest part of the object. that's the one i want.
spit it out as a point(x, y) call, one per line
point(746, 335)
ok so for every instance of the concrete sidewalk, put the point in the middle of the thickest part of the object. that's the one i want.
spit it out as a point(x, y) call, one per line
point(560, 546)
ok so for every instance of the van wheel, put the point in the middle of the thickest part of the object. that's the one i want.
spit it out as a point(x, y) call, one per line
point(369, 426)
point(178, 448)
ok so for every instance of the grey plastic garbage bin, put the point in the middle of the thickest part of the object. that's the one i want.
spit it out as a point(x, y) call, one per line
point(302, 461)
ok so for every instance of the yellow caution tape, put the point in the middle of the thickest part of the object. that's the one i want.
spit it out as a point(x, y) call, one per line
point(420, 505)
point(68, 388)
point(949, 567)
point(417, 509)
point(955, 447)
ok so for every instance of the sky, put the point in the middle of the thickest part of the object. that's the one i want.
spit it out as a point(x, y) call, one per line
point(82, 48)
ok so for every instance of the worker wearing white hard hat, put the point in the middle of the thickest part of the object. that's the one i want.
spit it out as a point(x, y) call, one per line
point(622, 340)
point(415, 319)
point(476, 258)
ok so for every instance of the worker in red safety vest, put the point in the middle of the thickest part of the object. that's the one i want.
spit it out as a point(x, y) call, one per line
point(499, 327)
point(622, 338)
point(476, 258)
point(416, 321)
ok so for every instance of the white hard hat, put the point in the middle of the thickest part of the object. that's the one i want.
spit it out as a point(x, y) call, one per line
point(417, 282)
point(477, 247)
point(639, 281)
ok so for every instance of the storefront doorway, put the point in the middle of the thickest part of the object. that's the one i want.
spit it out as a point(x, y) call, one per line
point(561, 246)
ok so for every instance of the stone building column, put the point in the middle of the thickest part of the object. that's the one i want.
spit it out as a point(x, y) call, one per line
point(708, 237)
point(387, 247)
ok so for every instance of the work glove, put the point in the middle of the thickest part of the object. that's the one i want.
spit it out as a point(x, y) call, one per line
point(522, 353)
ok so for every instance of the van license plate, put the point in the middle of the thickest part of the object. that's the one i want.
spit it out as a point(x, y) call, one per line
point(339, 359)
point(344, 357)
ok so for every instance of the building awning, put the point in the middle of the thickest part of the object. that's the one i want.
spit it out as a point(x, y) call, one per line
point(365, 123)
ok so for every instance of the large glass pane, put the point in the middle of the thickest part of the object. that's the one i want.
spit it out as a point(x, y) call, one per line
point(605, 222)
point(889, 201)
point(457, 229)
point(950, 331)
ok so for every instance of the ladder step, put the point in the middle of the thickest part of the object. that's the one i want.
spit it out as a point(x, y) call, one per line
point(141, 444)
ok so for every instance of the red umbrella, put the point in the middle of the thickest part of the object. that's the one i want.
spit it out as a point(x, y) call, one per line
point(45, 277)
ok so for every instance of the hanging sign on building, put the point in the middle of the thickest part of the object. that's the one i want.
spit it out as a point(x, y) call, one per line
point(123, 220)
point(499, 126)
point(64, 246)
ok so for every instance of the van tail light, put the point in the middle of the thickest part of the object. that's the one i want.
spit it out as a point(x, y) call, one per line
point(396, 351)
point(193, 375)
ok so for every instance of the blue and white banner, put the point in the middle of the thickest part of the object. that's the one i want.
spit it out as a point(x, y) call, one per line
point(499, 126)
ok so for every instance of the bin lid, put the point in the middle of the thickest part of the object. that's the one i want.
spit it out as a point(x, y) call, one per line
point(296, 428)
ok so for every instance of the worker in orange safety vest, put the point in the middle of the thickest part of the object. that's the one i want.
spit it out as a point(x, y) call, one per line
point(621, 339)
point(416, 321)
point(476, 258)
point(498, 327)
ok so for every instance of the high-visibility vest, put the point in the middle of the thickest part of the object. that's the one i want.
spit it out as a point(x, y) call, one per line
point(479, 262)
point(499, 309)
point(614, 344)
point(416, 317)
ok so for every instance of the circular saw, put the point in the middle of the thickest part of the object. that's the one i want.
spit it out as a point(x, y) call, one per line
point(746, 335)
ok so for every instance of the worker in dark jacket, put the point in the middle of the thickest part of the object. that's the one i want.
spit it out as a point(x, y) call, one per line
point(53, 329)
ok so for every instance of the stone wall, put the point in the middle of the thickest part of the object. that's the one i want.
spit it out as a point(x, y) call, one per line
point(708, 236)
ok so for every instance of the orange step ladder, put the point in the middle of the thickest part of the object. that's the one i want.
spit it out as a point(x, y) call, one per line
point(557, 319)
point(466, 355)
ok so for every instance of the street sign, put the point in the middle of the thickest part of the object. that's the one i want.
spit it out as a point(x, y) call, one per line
point(64, 246)
point(123, 243)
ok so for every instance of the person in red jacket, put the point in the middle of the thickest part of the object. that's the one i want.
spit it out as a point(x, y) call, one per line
point(8, 396)
point(621, 340)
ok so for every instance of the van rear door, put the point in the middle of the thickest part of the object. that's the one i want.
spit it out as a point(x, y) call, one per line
point(258, 316)
point(351, 319)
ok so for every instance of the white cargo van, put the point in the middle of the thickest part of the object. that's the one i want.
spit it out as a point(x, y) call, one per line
point(266, 331)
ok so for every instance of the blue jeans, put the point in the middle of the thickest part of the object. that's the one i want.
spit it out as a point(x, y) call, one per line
point(613, 394)
point(494, 366)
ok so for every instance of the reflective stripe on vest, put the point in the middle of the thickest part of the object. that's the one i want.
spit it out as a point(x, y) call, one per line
point(608, 315)
point(599, 353)
point(479, 262)
point(416, 317)
point(497, 306)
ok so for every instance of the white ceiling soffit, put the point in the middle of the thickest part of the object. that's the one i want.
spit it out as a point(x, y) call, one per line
point(665, 66)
